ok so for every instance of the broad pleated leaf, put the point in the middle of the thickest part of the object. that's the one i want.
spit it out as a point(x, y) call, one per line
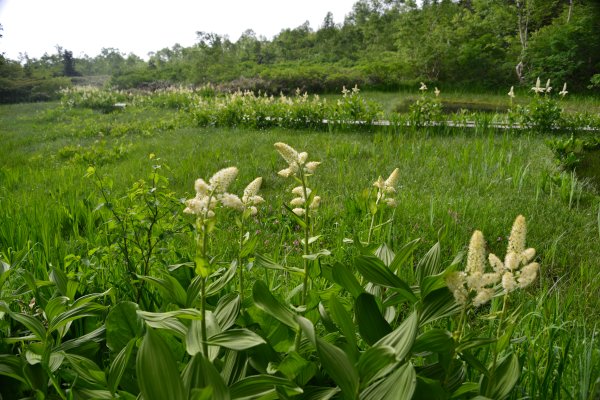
point(122, 325)
point(227, 310)
point(12, 366)
point(344, 277)
point(261, 260)
point(264, 300)
point(376, 272)
point(374, 360)
point(170, 287)
point(371, 324)
point(119, 365)
point(157, 372)
point(403, 337)
point(438, 304)
point(256, 386)
point(399, 385)
point(430, 263)
point(236, 339)
point(31, 323)
point(343, 320)
point(403, 254)
point(434, 340)
point(201, 373)
point(334, 360)
point(505, 378)
point(86, 369)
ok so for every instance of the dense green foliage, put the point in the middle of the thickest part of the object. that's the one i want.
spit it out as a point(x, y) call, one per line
point(108, 290)
point(381, 45)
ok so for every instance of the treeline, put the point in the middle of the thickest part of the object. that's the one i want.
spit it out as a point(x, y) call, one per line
point(381, 44)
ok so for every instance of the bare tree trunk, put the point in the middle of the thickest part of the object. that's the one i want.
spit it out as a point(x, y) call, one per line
point(523, 23)
point(570, 11)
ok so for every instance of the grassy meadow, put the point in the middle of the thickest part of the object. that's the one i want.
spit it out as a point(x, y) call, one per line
point(64, 225)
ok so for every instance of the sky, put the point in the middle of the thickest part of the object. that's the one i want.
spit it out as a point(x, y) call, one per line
point(36, 27)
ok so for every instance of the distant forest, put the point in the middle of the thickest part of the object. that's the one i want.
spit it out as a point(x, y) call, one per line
point(381, 44)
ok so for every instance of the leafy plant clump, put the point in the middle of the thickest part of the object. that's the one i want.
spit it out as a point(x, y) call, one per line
point(177, 323)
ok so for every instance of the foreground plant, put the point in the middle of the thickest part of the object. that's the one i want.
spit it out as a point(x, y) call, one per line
point(479, 283)
point(385, 197)
point(203, 206)
point(247, 207)
point(305, 204)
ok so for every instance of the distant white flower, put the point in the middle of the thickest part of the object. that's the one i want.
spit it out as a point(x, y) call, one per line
point(538, 87)
point(437, 92)
point(423, 87)
point(511, 92)
point(299, 211)
point(232, 201)
point(310, 167)
point(563, 92)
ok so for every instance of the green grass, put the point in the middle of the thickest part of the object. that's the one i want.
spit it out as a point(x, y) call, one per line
point(450, 185)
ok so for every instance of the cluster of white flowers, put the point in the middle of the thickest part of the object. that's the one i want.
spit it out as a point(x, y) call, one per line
point(295, 160)
point(539, 89)
point(298, 162)
point(423, 87)
point(511, 92)
point(250, 199)
point(209, 195)
point(387, 188)
point(474, 279)
point(516, 272)
point(299, 202)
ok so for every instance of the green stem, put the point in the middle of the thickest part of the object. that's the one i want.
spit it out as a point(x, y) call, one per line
point(306, 248)
point(492, 371)
point(203, 320)
point(239, 261)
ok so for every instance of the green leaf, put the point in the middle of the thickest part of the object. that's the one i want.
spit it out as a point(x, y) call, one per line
point(157, 372)
point(122, 325)
point(217, 285)
point(319, 254)
point(169, 320)
point(374, 360)
point(343, 320)
point(29, 322)
point(12, 366)
point(335, 361)
point(227, 310)
point(385, 254)
point(371, 324)
point(435, 340)
point(403, 255)
point(344, 277)
point(375, 271)
point(201, 373)
point(256, 386)
point(236, 339)
point(403, 337)
point(86, 369)
point(506, 376)
point(261, 260)
point(429, 389)
point(60, 280)
point(75, 313)
point(429, 264)
point(438, 304)
point(170, 286)
point(119, 365)
point(399, 385)
point(264, 300)
point(95, 336)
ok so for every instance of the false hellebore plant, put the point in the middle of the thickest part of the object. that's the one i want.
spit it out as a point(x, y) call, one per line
point(478, 284)
point(305, 203)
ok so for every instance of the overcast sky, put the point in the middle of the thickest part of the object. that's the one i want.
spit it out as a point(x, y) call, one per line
point(142, 26)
